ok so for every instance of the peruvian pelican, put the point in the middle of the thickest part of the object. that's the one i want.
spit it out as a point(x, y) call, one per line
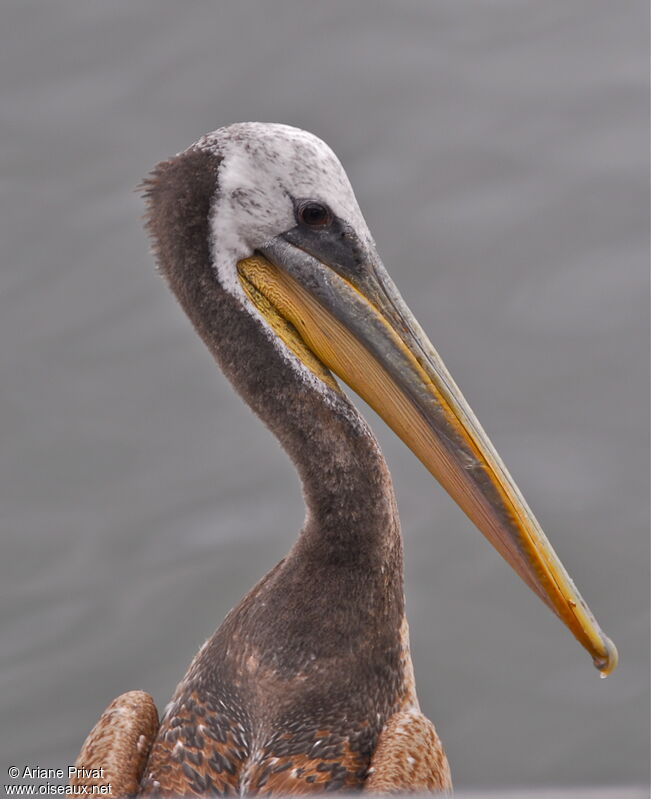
point(308, 684)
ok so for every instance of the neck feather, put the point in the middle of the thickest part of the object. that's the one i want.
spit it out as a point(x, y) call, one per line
point(352, 516)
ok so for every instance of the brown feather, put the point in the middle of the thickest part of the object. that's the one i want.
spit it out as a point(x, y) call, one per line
point(409, 758)
point(116, 749)
point(198, 751)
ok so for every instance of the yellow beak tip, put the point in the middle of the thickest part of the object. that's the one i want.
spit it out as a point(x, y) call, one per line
point(608, 662)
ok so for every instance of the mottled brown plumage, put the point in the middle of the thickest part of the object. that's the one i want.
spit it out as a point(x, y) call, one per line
point(116, 750)
point(409, 757)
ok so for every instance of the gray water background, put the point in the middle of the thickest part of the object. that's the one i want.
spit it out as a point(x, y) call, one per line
point(499, 152)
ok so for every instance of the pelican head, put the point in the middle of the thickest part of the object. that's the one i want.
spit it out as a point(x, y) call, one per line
point(289, 242)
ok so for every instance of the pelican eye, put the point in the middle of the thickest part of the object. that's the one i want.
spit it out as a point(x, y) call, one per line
point(314, 214)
